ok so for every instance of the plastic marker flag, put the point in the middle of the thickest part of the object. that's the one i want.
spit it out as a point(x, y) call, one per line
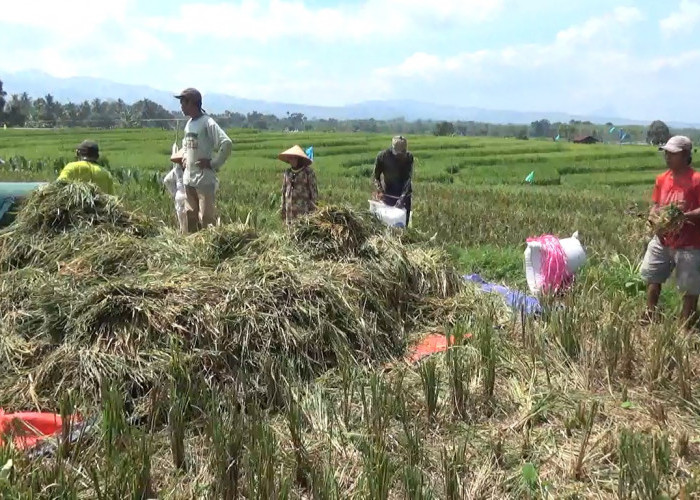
point(530, 177)
point(310, 152)
point(557, 137)
point(612, 129)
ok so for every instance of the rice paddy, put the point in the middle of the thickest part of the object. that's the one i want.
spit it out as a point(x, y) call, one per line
point(252, 361)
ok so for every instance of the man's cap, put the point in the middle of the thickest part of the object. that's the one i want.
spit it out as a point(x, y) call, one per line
point(399, 144)
point(88, 147)
point(190, 93)
point(677, 143)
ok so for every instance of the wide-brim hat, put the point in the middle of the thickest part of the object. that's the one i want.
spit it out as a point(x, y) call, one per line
point(295, 152)
point(177, 157)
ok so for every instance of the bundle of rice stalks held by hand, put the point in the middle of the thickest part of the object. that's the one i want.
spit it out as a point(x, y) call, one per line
point(64, 206)
point(668, 221)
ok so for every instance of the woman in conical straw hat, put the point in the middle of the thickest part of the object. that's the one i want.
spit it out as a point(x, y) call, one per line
point(299, 189)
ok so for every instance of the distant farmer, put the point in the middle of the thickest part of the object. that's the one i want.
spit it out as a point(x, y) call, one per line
point(395, 165)
point(675, 215)
point(203, 137)
point(299, 189)
point(86, 169)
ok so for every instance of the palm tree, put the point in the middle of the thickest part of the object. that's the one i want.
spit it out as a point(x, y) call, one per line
point(52, 110)
point(96, 105)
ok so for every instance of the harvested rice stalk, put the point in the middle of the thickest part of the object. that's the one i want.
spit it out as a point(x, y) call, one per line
point(119, 254)
point(18, 286)
point(334, 232)
point(64, 206)
point(218, 243)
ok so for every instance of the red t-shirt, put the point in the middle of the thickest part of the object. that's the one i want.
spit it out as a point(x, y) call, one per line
point(683, 189)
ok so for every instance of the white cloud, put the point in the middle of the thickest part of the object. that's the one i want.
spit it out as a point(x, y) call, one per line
point(331, 91)
point(263, 21)
point(85, 38)
point(620, 17)
point(140, 46)
point(680, 60)
point(593, 64)
point(49, 59)
point(583, 68)
point(67, 58)
point(683, 20)
point(575, 43)
point(67, 16)
point(430, 67)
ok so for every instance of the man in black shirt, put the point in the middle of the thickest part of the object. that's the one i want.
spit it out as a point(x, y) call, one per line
point(396, 165)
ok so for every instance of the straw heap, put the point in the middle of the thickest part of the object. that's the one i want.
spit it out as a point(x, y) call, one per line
point(91, 292)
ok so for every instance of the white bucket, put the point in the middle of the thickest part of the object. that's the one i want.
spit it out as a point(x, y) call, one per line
point(391, 216)
point(573, 251)
point(575, 254)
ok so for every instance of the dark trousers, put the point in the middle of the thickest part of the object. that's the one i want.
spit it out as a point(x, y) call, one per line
point(391, 199)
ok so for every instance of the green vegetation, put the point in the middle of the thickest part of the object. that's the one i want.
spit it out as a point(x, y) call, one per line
point(250, 361)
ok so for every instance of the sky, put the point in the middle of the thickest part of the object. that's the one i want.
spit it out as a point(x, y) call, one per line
point(637, 59)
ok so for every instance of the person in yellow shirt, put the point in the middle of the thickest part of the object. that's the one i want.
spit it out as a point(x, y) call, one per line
point(86, 168)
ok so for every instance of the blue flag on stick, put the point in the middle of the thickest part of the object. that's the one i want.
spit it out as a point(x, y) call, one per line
point(310, 152)
point(530, 177)
point(612, 129)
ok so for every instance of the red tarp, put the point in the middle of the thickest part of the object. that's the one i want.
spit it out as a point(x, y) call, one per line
point(428, 345)
point(28, 428)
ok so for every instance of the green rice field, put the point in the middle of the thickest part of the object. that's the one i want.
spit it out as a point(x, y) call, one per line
point(254, 361)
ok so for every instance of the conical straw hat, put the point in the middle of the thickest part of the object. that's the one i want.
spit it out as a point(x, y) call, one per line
point(295, 151)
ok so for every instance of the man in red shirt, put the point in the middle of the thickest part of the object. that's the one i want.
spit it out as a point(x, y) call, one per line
point(679, 185)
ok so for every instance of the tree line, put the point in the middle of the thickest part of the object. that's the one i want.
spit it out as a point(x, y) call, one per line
point(20, 110)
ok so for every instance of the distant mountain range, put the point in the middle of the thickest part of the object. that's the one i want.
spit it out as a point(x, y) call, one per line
point(78, 89)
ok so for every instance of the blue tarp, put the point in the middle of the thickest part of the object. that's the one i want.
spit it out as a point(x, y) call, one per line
point(10, 192)
point(515, 299)
point(5, 205)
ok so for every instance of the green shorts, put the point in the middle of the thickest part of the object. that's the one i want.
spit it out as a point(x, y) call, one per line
point(660, 261)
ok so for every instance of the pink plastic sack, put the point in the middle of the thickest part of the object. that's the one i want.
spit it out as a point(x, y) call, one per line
point(554, 274)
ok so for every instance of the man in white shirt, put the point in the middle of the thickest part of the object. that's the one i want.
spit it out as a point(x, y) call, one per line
point(203, 137)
